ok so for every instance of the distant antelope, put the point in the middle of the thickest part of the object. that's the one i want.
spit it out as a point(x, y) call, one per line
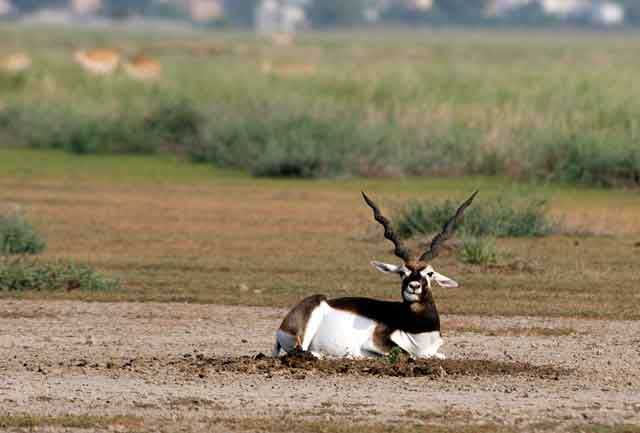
point(361, 327)
point(16, 63)
point(100, 61)
point(143, 68)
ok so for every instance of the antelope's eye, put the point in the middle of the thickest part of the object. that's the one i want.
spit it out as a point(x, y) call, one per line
point(430, 274)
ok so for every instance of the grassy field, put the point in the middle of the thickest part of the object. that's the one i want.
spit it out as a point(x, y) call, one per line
point(555, 106)
point(175, 231)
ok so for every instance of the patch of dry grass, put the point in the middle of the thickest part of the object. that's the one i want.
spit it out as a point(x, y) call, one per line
point(293, 424)
point(28, 421)
point(534, 331)
point(448, 415)
point(228, 240)
point(601, 428)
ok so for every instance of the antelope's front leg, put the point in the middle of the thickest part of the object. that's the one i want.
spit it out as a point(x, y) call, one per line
point(379, 342)
point(369, 347)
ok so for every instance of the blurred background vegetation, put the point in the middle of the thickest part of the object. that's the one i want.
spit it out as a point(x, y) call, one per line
point(336, 13)
point(374, 100)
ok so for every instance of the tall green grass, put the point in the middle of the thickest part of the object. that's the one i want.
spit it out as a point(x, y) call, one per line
point(528, 106)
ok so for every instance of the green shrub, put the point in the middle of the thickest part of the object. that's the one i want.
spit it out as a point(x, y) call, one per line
point(17, 236)
point(11, 82)
point(281, 143)
point(450, 151)
point(174, 123)
point(24, 275)
point(585, 159)
point(395, 355)
point(503, 217)
point(170, 125)
point(479, 251)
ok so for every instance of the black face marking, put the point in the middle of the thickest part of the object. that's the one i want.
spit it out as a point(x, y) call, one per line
point(415, 275)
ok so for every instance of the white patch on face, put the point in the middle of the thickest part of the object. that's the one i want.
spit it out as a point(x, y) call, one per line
point(410, 297)
point(414, 287)
point(442, 281)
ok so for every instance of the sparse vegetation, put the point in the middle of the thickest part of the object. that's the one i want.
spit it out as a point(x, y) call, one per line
point(265, 424)
point(19, 275)
point(28, 421)
point(199, 222)
point(18, 236)
point(604, 428)
point(394, 355)
point(479, 251)
point(534, 331)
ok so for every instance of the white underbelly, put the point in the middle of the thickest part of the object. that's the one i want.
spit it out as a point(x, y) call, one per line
point(338, 333)
point(342, 333)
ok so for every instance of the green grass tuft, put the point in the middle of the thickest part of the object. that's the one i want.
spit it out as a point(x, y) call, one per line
point(479, 251)
point(26, 275)
point(18, 236)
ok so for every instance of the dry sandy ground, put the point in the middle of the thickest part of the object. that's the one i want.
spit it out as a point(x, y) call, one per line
point(139, 359)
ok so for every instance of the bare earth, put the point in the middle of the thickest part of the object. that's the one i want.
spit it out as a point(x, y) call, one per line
point(140, 359)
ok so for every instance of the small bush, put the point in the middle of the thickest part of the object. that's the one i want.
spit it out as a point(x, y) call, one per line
point(479, 251)
point(503, 217)
point(25, 275)
point(175, 123)
point(17, 236)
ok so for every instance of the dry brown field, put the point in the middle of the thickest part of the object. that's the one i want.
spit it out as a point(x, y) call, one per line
point(546, 340)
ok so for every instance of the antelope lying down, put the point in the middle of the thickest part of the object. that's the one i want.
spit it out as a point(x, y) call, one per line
point(361, 327)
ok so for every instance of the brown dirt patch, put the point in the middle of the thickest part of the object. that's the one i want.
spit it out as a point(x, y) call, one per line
point(299, 365)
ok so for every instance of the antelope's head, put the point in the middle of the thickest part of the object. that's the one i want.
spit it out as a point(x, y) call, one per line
point(416, 271)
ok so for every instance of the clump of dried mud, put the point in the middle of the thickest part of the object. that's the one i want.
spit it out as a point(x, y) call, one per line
point(299, 365)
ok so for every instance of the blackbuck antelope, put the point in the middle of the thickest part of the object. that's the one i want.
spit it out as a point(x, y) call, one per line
point(98, 61)
point(143, 68)
point(361, 327)
point(16, 63)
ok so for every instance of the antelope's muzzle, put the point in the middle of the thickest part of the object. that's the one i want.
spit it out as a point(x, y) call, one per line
point(414, 286)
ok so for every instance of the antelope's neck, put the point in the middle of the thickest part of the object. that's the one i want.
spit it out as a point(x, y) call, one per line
point(426, 313)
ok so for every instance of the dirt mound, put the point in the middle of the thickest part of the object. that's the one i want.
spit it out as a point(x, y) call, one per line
point(301, 364)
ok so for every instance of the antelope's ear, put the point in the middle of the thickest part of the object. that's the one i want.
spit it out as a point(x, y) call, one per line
point(444, 281)
point(387, 268)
